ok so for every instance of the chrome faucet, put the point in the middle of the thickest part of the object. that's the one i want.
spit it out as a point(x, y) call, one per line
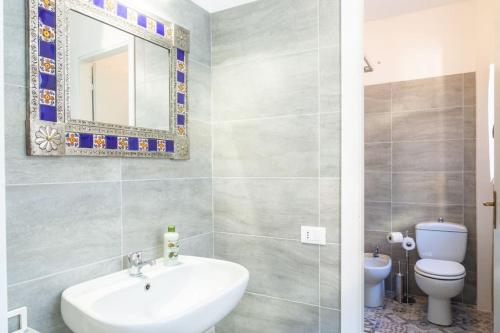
point(376, 253)
point(136, 263)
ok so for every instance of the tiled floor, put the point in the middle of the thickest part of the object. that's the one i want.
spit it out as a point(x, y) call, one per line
point(404, 318)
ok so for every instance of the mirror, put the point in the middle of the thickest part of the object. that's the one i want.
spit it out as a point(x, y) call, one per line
point(117, 78)
point(106, 79)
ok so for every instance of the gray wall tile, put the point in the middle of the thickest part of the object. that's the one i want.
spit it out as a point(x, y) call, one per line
point(67, 226)
point(329, 76)
point(470, 262)
point(377, 238)
point(257, 314)
point(470, 122)
point(200, 92)
point(378, 157)
point(378, 216)
point(470, 155)
point(429, 125)
point(377, 127)
point(378, 186)
point(265, 207)
point(329, 29)
point(470, 220)
point(431, 187)
point(378, 98)
point(330, 276)
point(424, 94)
point(247, 90)
point(199, 246)
point(14, 13)
point(470, 89)
point(428, 156)
point(406, 216)
point(469, 294)
point(329, 320)
point(199, 164)
point(14, 55)
point(278, 268)
point(330, 208)
point(149, 206)
point(330, 137)
point(469, 189)
point(282, 147)
point(264, 28)
point(43, 297)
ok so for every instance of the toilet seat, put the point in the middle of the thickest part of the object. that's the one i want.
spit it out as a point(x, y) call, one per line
point(440, 269)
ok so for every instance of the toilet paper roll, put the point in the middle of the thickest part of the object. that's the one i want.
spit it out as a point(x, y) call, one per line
point(395, 237)
point(408, 243)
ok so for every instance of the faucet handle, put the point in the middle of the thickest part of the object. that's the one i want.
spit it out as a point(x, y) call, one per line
point(135, 258)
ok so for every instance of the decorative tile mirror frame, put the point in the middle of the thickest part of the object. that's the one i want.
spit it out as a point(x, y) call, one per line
point(50, 129)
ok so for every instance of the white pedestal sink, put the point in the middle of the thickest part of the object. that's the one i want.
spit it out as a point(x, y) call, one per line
point(188, 298)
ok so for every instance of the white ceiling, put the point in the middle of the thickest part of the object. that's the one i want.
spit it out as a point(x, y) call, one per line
point(213, 6)
point(378, 9)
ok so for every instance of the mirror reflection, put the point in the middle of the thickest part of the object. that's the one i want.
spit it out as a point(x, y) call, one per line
point(117, 78)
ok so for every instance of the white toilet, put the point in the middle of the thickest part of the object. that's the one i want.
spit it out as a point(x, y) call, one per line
point(377, 268)
point(439, 274)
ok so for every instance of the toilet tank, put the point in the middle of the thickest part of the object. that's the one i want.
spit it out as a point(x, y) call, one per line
point(441, 240)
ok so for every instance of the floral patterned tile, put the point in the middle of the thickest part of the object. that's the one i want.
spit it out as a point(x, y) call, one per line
point(411, 318)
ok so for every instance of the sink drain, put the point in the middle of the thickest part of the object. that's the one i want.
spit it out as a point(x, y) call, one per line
point(147, 286)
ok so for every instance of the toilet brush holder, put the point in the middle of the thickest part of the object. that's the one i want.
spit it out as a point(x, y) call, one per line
point(398, 285)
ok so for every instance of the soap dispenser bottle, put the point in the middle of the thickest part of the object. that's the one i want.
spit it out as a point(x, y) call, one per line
point(171, 246)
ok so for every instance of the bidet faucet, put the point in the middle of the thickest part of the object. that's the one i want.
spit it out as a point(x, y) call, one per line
point(136, 263)
point(376, 253)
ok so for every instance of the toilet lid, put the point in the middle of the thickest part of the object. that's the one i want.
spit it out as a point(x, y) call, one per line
point(440, 269)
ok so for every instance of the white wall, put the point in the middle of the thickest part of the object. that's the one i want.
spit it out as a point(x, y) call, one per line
point(427, 43)
point(451, 39)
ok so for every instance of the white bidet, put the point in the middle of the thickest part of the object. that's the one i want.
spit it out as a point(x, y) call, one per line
point(377, 269)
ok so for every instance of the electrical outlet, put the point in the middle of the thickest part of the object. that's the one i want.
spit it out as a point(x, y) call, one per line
point(313, 235)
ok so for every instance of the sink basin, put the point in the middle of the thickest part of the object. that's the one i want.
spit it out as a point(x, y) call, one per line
point(188, 298)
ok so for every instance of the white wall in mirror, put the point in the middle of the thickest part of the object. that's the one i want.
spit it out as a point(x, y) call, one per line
point(100, 71)
point(117, 78)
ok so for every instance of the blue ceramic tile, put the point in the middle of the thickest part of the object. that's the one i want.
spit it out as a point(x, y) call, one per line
point(180, 77)
point(121, 11)
point(48, 113)
point(47, 17)
point(47, 50)
point(152, 144)
point(180, 98)
point(170, 146)
point(48, 81)
point(99, 3)
point(180, 55)
point(142, 21)
point(160, 28)
point(181, 119)
point(133, 143)
point(111, 142)
point(86, 140)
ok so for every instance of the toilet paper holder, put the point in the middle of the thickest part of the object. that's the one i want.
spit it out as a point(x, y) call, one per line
point(407, 298)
